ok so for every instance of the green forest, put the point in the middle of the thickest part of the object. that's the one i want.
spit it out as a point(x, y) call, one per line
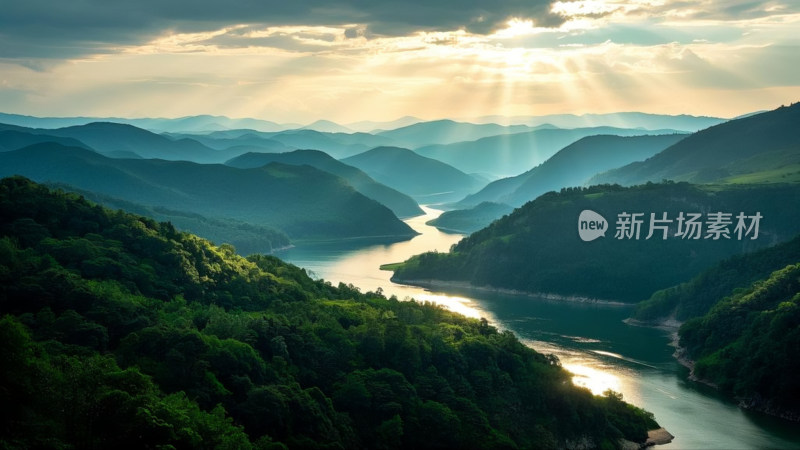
point(119, 331)
point(747, 343)
point(741, 325)
point(697, 296)
point(536, 248)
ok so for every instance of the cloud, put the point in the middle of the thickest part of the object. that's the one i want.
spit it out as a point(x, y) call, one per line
point(46, 29)
point(718, 10)
point(352, 59)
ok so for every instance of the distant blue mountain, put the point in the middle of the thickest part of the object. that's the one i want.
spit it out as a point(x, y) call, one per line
point(572, 166)
point(513, 154)
point(426, 180)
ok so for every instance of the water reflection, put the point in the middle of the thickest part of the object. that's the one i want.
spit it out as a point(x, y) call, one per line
point(354, 263)
point(596, 380)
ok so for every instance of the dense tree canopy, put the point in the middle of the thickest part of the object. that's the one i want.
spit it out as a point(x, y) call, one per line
point(748, 343)
point(119, 331)
point(697, 296)
point(537, 247)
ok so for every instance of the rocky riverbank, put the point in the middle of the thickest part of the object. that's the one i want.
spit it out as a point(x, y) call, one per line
point(659, 436)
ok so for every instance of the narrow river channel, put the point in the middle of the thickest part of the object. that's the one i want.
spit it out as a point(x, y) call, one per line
point(590, 340)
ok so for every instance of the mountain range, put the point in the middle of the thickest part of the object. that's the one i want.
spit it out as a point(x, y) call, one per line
point(752, 160)
point(305, 202)
point(639, 120)
point(572, 166)
point(207, 123)
point(338, 145)
point(199, 123)
point(755, 148)
point(446, 132)
point(119, 141)
point(513, 154)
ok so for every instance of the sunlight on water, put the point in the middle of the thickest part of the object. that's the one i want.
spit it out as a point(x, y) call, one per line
point(590, 341)
point(360, 265)
point(461, 305)
point(596, 380)
point(588, 371)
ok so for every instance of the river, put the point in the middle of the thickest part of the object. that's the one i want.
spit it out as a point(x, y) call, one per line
point(590, 340)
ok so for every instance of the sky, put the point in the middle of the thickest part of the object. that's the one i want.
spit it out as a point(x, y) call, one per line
point(353, 60)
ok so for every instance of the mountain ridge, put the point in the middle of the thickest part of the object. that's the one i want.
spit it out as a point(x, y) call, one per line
point(742, 146)
point(402, 205)
point(432, 182)
point(572, 166)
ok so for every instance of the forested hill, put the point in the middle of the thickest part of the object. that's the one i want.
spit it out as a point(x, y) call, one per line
point(696, 297)
point(120, 332)
point(402, 205)
point(742, 326)
point(747, 344)
point(537, 248)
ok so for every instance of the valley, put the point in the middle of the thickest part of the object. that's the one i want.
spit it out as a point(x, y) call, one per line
point(590, 339)
point(414, 217)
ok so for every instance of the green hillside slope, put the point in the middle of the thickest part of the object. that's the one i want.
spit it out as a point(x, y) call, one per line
point(739, 150)
point(537, 248)
point(119, 332)
point(748, 344)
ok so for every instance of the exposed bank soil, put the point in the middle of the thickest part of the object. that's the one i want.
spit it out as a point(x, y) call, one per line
point(659, 436)
point(442, 284)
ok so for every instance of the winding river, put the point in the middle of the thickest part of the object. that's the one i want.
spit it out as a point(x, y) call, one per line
point(590, 340)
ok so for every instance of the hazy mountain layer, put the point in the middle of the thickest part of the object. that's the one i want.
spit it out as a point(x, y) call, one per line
point(126, 141)
point(513, 154)
point(402, 205)
point(766, 144)
point(446, 132)
point(426, 180)
point(572, 166)
point(303, 201)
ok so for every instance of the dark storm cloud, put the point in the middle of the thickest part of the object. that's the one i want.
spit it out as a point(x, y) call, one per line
point(47, 29)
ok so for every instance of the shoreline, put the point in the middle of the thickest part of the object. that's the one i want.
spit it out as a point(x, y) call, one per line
point(658, 436)
point(672, 325)
point(442, 284)
point(755, 404)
